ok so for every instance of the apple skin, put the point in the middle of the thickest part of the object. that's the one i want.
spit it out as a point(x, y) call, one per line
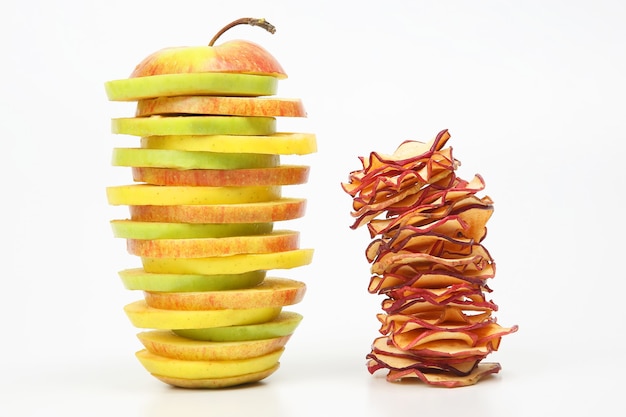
point(270, 211)
point(280, 175)
point(236, 56)
point(216, 383)
point(272, 292)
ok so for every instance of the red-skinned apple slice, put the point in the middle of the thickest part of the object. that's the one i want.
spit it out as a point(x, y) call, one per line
point(276, 241)
point(271, 211)
point(281, 175)
point(228, 106)
point(272, 292)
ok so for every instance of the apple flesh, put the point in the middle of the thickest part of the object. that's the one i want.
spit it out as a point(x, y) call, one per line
point(209, 83)
point(170, 158)
point(279, 143)
point(272, 292)
point(129, 229)
point(228, 106)
point(268, 211)
point(166, 343)
point(284, 324)
point(145, 194)
point(193, 125)
point(280, 175)
point(216, 383)
point(143, 316)
point(139, 279)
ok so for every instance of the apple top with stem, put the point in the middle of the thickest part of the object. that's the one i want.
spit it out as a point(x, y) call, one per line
point(236, 56)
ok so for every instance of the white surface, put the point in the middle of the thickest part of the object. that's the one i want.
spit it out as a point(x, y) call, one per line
point(533, 95)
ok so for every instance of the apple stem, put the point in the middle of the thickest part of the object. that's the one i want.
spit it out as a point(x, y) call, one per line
point(245, 21)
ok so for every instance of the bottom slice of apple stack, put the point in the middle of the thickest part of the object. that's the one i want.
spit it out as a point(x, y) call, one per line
point(427, 258)
point(208, 194)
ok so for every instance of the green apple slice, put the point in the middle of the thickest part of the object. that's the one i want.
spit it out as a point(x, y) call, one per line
point(176, 368)
point(283, 325)
point(145, 194)
point(232, 264)
point(168, 158)
point(194, 125)
point(143, 316)
point(215, 383)
point(280, 143)
point(213, 83)
point(139, 279)
point(165, 343)
point(130, 229)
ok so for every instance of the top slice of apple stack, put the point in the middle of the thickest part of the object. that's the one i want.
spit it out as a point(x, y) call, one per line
point(207, 193)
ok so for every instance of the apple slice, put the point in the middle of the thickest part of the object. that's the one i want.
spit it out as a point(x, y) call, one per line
point(275, 241)
point(268, 211)
point(169, 158)
point(272, 292)
point(176, 368)
point(143, 316)
point(229, 106)
point(283, 325)
point(193, 125)
point(216, 383)
point(130, 229)
point(145, 194)
point(280, 143)
point(166, 343)
point(280, 175)
point(139, 279)
point(233, 264)
point(210, 83)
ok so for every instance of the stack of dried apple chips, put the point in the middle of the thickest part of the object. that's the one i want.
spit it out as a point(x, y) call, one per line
point(206, 197)
point(426, 256)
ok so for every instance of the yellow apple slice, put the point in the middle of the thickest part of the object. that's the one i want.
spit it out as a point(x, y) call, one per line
point(129, 229)
point(176, 368)
point(145, 194)
point(280, 143)
point(213, 83)
point(166, 343)
point(139, 279)
point(230, 106)
point(169, 158)
point(272, 292)
point(143, 316)
point(284, 324)
point(193, 125)
point(275, 241)
point(280, 175)
point(216, 383)
point(233, 264)
point(269, 211)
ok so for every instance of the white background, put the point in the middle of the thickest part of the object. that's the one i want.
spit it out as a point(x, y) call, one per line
point(532, 93)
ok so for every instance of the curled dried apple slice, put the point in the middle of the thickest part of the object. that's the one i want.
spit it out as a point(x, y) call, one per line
point(130, 229)
point(139, 279)
point(280, 143)
point(143, 316)
point(212, 83)
point(145, 194)
point(176, 368)
point(230, 106)
point(165, 343)
point(272, 292)
point(283, 325)
point(267, 211)
point(280, 175)
point(233, 264)
point(169, 158)
point(275, 241)
point(193, 125)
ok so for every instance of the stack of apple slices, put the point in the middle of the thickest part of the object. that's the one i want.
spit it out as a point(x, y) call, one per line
point(427, 258)
point(207, 193)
